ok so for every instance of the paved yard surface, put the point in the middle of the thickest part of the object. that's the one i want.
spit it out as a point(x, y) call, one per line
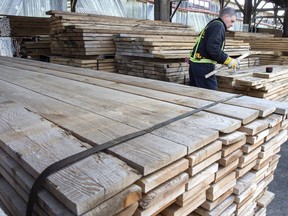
point(279, 186)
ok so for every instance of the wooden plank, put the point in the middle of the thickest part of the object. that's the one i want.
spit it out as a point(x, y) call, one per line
point(188, 195)
point(197, 191)
point(202, 165)
point(209, 205)
point(217, 194)
point(153, 180)
point(45, 200)
point(218, 209)
point(11, 199)
point(204, 153)
point(45, 104)
point(232, 138)
point(40, 137)
point(163, 203)
point(226, 150)
point(175, 210)
point(225, 170)
point(222, 183)
point(242, 171)
point(129, 211)
point(201, 176)
point(243, 183)
point(126, 198)
point(230, 158)
point(156, 195)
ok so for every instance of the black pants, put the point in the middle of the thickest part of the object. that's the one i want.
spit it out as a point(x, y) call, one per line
point(197, 72)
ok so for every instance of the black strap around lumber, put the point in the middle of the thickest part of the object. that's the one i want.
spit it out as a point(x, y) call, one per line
point(81, 155)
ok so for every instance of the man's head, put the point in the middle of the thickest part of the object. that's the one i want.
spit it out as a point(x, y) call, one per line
point(228, 15)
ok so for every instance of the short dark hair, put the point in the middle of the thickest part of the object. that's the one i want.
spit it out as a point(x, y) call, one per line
point(228, 11)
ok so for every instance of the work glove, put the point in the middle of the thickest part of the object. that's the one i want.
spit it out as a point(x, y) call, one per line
point(232, 63)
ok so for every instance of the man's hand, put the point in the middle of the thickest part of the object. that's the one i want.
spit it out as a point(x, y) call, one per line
point(232, 63)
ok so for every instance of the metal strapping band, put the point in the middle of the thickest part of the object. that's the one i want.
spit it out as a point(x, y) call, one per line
point(81, 155)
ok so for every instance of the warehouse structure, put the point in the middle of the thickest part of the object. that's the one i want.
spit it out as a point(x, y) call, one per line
point(96, 117)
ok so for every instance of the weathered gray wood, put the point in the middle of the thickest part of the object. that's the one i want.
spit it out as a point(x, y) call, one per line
point(204, 153)
point(202, 165)
point(201, 176)
point(231, 138)
point(84, 95)
point(129, 211)
point(156, 195)
point(11, 199)
point(117, 203)
point(151, 181)
point(94, 128)
point(47, 202)
point(209, 205)
point(225, 170)
point(243, 114)
point(230, 158)
point(217, 210)
point(29, 139)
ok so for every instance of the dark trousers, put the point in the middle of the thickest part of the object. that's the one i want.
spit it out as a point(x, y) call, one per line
point(197, 72)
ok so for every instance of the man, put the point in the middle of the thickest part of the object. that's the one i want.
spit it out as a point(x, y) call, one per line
point(208, 50)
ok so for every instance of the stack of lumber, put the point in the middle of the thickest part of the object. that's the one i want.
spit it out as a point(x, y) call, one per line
point(274, 32)
point(77, 39)
point(177, 152)
point(273, 59)
point(161, 57)
point(167, 47)
point(256, 82)
point(166, 70)
point(268, 44)
point(23, 29)
point(241, 35)
point(37, 47)
point(87, 34)
point(25, 26)
point(107, 64)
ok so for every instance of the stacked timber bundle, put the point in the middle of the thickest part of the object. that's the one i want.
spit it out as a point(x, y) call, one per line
point(157, 57)
point(96, 64)
point(36, 47)
point(137, 53)
point(163, 148)
point(275, 44)
point(256, 82)
point(87, 36)
point(273, 59)
point(241, 35)
point(24, 26)
point(23, 29)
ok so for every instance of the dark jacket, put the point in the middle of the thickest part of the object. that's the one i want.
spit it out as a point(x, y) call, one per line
point(212, 40)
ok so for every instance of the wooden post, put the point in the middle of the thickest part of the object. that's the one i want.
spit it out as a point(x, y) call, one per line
point(162, 10)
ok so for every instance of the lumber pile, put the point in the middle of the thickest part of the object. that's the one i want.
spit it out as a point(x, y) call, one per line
point(256, 82)
point(36, 47)
point(146, 55)
point(241, 35)
point(24, 26)
point(30, 35)
point(185, 150)
point(107, 64)
point(87, 36)
point(272, 59)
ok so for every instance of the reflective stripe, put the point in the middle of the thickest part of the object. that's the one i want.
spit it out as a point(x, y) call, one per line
point(197, 42)
point(203, 60)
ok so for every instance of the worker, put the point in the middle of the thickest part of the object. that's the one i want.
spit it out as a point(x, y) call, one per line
point(208, 50)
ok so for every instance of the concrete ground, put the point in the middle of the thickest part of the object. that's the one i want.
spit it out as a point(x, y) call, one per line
point(279, 186)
